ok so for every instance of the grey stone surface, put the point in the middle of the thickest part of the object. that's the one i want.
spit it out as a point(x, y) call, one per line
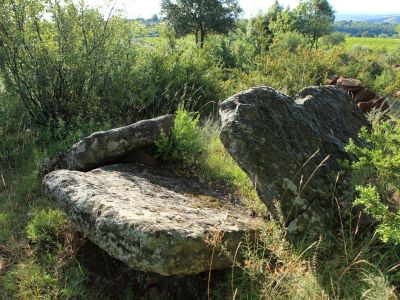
point(271, 136)
point(104, 147)
point(150, 219)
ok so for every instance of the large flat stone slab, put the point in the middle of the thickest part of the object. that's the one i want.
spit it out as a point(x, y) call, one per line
point(150, 219)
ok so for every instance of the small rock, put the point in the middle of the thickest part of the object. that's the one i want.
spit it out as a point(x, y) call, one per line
point(364, 95)
point(350, 84)
point(332, 80)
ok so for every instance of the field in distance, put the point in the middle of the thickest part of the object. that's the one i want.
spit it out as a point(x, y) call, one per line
point(373, 43)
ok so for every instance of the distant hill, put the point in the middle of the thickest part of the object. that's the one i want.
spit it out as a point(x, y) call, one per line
point(385, 19)
point(368, 25)
point(366, 29)
point(370, 18)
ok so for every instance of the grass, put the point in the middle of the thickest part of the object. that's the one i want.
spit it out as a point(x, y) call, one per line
point(351, 265)
point(217, 165)
point(200, 149)
point(373, 43)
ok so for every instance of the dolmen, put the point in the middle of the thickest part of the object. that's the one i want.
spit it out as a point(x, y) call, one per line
point(113, 190)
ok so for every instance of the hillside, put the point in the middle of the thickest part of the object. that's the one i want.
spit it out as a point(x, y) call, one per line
point(371, 18)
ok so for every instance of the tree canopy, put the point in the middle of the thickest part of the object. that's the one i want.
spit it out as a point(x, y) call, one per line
point(200, 17)
point(314, 19)
point(261, 27)
point(311, 18)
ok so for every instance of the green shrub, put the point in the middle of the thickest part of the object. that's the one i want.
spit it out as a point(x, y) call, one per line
point(77, 67)
point(28, 280)
point(333, 39)
point(200, 148)
point(31, 280)
point(388, 82)
point(60, 66)
point(389, 221)
point(288, 41)
point(365, 65)
point(163, 78)
point(16, 134)
point(288, 71)
point(376, 176)
point(185, 142)
point(45, 227)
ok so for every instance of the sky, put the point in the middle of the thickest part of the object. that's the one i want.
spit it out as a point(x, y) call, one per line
point(147, 8)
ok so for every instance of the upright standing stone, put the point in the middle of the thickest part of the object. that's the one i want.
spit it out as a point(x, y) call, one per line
point(280, 143)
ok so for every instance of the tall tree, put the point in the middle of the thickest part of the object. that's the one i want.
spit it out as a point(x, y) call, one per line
point(200, 17)
point(314, 19)
point(260, 26)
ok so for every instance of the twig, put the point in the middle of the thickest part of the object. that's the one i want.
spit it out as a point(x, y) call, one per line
point(233, 266)
point(354, 263)
point(215, 241)
point(4, 182)
point(313, 173)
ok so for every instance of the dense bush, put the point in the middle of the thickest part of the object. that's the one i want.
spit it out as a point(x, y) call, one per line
point(75, 65)
point(17, 137)
point(288, 71)
point(184, 144)
point(375, 68)
point(60, 65)
point(164, 77)
point(376, 176)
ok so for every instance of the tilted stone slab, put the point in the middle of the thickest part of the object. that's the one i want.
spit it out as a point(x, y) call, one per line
point(104, 147)
point(150, 219)
point(271, 136)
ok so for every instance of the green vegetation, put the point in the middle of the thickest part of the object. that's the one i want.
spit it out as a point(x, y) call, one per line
point(199, 148)
point(366, 29)
point(349, 265)
point(314, 19)
point(376, 175)
point(201, 17)
point(45, 226)
point(373, 43)
point(75, 71)
point(185, 142)
point(311, 19)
